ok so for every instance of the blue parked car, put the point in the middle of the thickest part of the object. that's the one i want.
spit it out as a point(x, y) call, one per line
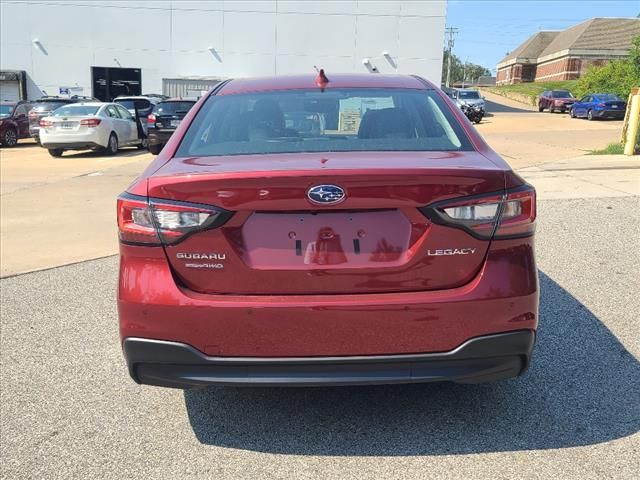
point(599, 105)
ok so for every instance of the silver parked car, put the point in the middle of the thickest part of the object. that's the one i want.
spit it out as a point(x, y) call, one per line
point(468, 96)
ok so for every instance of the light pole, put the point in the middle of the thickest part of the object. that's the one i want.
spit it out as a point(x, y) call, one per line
point(452, 33)
point(464, 71)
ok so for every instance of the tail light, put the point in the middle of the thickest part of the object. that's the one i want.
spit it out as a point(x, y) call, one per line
point(507, 215)
point(45, 123)
point(600, 104)
point(155, 222)
point(90, 122)
point(151, 119)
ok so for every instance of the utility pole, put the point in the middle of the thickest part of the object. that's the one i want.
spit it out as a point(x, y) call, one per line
point(464, 71)
point(452, 32)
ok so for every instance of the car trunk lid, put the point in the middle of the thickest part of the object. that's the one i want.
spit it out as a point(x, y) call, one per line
point(615, 105)
point(279, 242)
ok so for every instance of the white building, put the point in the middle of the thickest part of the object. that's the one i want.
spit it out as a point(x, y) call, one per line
point(104, 48)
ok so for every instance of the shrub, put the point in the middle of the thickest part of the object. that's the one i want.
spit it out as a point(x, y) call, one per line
point(617, 77)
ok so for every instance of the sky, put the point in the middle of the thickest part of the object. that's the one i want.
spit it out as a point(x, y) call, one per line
point(490, 29)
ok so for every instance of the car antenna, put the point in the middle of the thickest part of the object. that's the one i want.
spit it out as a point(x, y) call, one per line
point(321, 80)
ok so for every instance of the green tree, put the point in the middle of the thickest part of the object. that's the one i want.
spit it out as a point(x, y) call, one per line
point(470, 71)
point(618, 76)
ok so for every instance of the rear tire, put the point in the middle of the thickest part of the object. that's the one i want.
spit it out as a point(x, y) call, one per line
point(590, 115)
point(155, 149)
point(10, 138)
point(540, 108)
point(56, 152)
point(112, 145)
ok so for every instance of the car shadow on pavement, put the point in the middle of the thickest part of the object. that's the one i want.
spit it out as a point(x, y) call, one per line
point(582, 388)
point(493, 107)
point(128, 152)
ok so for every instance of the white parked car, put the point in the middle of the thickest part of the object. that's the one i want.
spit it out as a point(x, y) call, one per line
point(94, 125)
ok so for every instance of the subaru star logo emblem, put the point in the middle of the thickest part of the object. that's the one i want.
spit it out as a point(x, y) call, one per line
point(326, 194)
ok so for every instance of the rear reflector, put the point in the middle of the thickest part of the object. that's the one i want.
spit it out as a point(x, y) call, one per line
point(155, 222)
point(507, 215)
point(90, 122)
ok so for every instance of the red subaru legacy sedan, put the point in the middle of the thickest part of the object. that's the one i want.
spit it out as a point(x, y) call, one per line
point(326, 231)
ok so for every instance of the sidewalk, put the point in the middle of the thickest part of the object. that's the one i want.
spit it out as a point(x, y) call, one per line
point(587, 176)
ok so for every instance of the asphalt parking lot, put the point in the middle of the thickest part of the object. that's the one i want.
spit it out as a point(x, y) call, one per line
point(69, 409)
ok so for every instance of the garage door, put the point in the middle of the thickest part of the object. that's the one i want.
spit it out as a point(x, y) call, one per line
point(9, 91)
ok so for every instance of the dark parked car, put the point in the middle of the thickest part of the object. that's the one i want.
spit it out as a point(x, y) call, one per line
point(14, 122)
point(390, 246)
point(163, 121)
point(43, 107)
point(555, 100)
point(599, 105)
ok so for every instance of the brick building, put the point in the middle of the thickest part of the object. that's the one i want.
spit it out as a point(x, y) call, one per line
point(565, 55)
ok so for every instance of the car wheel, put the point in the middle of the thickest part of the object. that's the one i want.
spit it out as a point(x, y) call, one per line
point(56, 152)
point(10, 138)
point(590, 115)
point(552, 110)
point(112, 146)
point(540, 108)
point(155, 149)
point(572, 114)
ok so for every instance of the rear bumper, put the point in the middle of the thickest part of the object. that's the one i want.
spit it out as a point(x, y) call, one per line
point(159, 137)
point(619, 114)
point(93, 138)
point(480, 359)
point(503, 297)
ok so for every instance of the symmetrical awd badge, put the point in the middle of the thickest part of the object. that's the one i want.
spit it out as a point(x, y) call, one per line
point(326, 194)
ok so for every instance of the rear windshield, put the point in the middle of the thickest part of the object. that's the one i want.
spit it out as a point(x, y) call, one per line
point(561, 94)
point(49, 104)
point(470, 95)
point(336, 120)
point(75, 111)
point(608, 98)
point(173, 108)
point(133, 104)
point(5, 110)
